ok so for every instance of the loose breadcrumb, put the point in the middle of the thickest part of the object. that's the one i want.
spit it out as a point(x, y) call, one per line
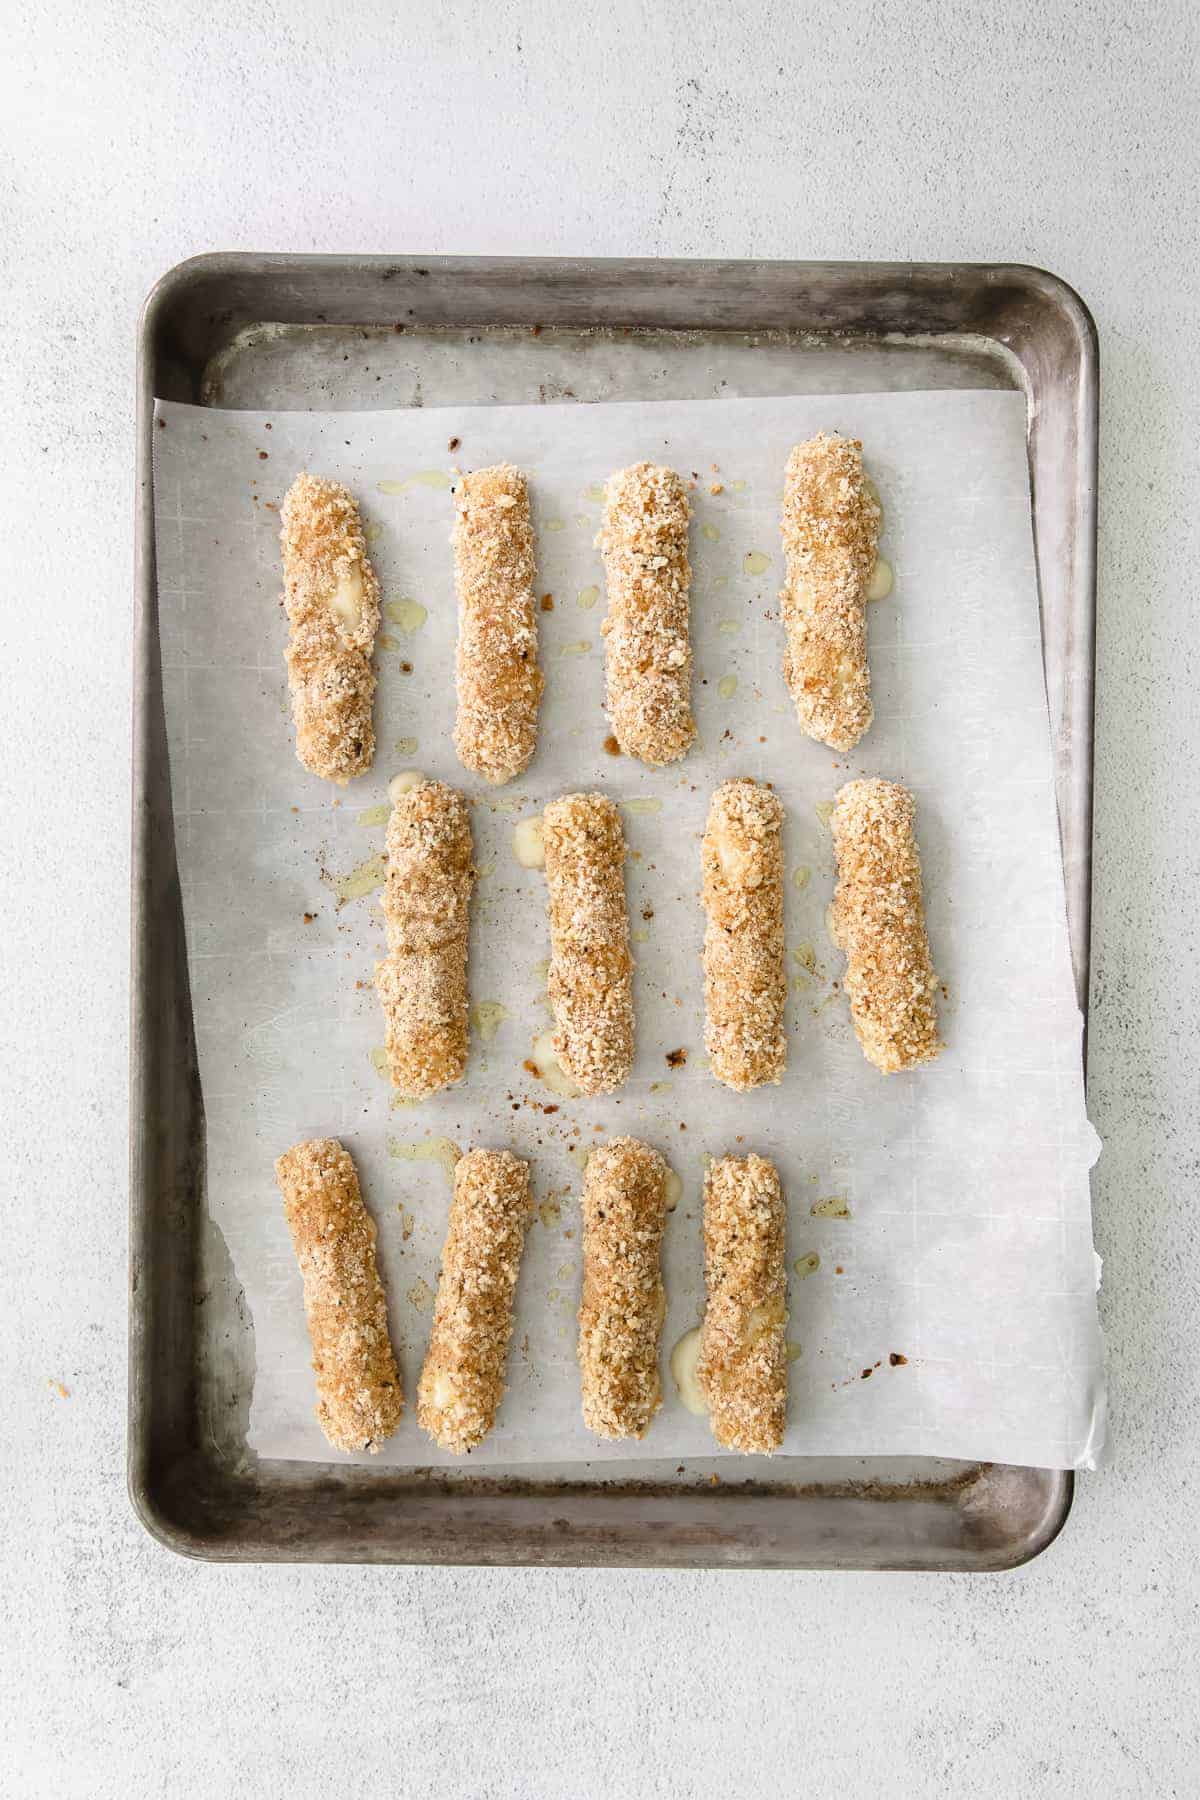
point(623, 1303)
point(422, 982)
point(359, 1393)
point(331, 595)
point(830, 530)
point(462, 1382)
point(745, 987)
point(742, 1369)
point(590, 983)
point(644, 540)
point(499, 681)
point(878, 920)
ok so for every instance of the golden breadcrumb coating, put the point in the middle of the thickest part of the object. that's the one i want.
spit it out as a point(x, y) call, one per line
point(644, 540)
point(830, 528)
point(878, 920)
point(623, 1303)
point(742, 1369)
point(462, 1382)
point(359, 1393)
point(745, 987)
point(591, 970)
point(499, 681)
point(422, 982)
point(332, 599)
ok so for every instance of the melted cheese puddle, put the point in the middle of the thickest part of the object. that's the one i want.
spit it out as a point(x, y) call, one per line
point(346, 599)
point(882, 580)
point(528, 843)
point(684, 1358)
point(549, 1068)
point(404, 783)
point(441, 1150)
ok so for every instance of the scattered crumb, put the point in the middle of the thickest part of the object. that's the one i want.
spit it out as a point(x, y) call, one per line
point(716, 487)
point(897, 1361)
point(547, 602)
point(676, 1058)
point(454, 443)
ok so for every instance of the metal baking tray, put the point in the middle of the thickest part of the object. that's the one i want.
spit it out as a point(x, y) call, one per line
point(295, 332)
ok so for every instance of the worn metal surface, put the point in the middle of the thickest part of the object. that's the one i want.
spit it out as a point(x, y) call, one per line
point(342, 332)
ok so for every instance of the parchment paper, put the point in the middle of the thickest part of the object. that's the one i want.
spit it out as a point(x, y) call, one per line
point(948, 1208)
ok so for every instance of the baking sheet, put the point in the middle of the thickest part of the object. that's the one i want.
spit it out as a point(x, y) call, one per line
point(951, 1308)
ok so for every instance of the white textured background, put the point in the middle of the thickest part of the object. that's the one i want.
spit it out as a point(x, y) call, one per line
point(134, 135)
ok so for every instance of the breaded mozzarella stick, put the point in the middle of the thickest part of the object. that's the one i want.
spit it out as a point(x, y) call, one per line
point(830, 530)
point(359, 1393)
point(745, 988)
point(422, 982)
point(742, 1369)
point(644, 540)
point(499, 682)
point(332, 599)
point(462, 1382)
point(878, 920)
point(623, 1303)
point(590, 983)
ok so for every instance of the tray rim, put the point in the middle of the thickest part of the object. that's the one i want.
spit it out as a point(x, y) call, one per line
point(1044, 288)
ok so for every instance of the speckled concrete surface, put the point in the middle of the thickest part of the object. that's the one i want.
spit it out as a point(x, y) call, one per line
point(135, 135)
